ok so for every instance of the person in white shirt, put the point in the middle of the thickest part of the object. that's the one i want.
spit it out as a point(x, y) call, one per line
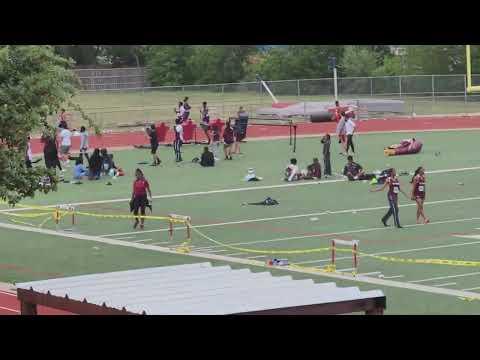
point(28, 155)
point(83, 140)
point(349, 130)
point(178, 141)
point(180, 111)
point(292, 173)
point(341, 131)
point(65, 144)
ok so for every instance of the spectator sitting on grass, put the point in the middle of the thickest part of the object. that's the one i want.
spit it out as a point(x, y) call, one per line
point(207, 159)
point(314, 170)
point(79, 171)
point(94, 165)
point(108, 165)
point(291, 172)
point(354, 171)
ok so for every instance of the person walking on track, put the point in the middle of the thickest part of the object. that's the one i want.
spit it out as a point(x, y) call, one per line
point(139, 197)
point(393, 189)
point(349, 130)
point(418, 193)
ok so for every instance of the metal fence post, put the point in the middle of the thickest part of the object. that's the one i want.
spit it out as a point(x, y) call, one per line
point(371, 86)
point(433, 88)
point(298, 89)
point(223, 101)
point(400, 85)
point(465, 87)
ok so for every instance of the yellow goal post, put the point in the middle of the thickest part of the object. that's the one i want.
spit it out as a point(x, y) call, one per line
point(468, 59)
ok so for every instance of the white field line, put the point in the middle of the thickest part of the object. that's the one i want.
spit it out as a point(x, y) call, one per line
point(216, 251)
point(393, 252)
point(126, 237)
point(339, 233)
point(447, 284)
point(345, 270)
point(8, 293)
point(394, 277)
point(445, 277)
point(370, 273)
point(474, 288)
point(287, 217)
point(235, 254)
point(11, 310)
point(161, 243)
point(129, 244)
point(139, 241)
point(257, 257)
point(252, 188)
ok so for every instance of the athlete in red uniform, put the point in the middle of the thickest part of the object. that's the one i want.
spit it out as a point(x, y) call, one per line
point(418, 193)
point(139, 197)
point(393, 189)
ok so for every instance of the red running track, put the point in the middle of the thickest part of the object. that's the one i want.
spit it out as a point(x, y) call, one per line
point(9, 305)
point(123, 139)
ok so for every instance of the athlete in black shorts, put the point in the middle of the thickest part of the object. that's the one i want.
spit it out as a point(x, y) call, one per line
point(154, 145)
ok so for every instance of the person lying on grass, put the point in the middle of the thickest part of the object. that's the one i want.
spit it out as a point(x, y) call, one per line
point(354, 171)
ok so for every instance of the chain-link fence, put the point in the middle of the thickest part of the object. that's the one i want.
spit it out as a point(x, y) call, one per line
point(422, 94)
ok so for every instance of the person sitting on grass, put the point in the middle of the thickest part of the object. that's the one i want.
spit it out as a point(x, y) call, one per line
point(94, 165)
point(292, 173)
point(314, 170)
point(207, 159)
point(79, 171)
point(108, 165)
point(354, 171)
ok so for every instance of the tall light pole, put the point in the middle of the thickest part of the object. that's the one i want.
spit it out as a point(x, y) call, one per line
point(332, 65)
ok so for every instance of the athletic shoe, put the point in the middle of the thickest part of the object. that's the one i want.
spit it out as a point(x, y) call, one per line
point(374, 181)
point(135, 224)
point(399, 227)
point(384, 223)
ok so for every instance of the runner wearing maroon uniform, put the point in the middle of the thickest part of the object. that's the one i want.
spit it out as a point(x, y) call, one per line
point(393, 189)
point(418, 193)
point(228, 140)
point(139, 197)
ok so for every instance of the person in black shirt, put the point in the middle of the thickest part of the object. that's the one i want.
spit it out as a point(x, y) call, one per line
point(152, 133)
point(354, 171)
point(207, 158)
point(326, 155)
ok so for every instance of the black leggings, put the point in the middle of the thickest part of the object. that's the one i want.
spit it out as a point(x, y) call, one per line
point(350, 143)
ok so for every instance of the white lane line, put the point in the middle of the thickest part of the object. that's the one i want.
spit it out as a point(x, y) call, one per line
point(394, 252)
point(161, 243)
point(252, 188)
point(474, 288)
point(345, 270)
point(447, 284)
point(235, 254)
point(249, 262)
point(394, 277)
point(141, 240)
point(125, 238)
point(445, 277)
point(7, 293)
point(215, 251)
point(11, 310)
point(370, 273)
point(256, 257)
point(286, 217)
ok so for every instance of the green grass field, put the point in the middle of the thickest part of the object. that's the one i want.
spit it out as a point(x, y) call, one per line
point(309, 216)
point(113, 108)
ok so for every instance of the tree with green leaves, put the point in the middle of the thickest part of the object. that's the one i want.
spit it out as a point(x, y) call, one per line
point(168, 64)
point(358, 61)
point(34, 84)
